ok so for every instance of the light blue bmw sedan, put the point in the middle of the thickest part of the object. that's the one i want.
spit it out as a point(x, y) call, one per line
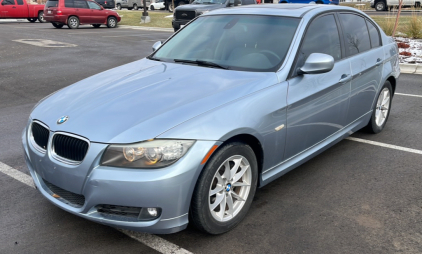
point(234, 100)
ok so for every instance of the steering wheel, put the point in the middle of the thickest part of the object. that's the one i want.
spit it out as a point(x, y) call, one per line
point(272, 57)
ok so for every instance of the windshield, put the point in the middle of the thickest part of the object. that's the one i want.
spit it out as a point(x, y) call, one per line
point(236, 42)
point(209, 2)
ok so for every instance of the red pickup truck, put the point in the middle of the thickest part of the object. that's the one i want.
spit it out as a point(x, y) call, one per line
point(19, 9)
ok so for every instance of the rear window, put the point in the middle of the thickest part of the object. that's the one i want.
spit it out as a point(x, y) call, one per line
point(52, 3)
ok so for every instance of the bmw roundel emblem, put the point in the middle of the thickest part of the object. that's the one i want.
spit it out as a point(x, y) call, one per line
point(62, 119)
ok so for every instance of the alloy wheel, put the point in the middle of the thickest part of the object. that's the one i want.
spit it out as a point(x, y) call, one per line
point(230, 188)
point(383, 106)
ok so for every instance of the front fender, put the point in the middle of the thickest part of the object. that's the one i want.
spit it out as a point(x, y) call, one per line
point(257, 114)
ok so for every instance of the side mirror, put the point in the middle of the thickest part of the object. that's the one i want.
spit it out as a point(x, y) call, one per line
point(156, 46)
point(317, 63)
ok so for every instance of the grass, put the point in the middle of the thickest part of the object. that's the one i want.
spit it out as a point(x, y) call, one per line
point(413, 29)
point(408, 25)
point(133, 18)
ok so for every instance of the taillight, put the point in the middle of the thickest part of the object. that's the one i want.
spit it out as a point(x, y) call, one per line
point(59, 12)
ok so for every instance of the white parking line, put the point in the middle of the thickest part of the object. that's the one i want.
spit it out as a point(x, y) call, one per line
point(155, 242)
point(411, 95)
point(46, 43)
point(16, 174)
point(400, 148)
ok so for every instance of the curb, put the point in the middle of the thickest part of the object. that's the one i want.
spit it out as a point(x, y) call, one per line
point(411, 68)
point(147, 28)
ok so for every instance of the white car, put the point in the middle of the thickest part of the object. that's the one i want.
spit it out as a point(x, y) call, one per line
point(157, 5)
point(385, 5)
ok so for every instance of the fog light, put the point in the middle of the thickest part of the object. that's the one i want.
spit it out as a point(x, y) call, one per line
point(149, 213)
point(153, 212)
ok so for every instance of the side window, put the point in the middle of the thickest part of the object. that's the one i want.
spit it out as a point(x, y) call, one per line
point(8, 2)
point(374, 34)
point(321, 37)
point(356, 34)
point(80, 4)
point(20, 2)
point(68, 3)
point(94, 6)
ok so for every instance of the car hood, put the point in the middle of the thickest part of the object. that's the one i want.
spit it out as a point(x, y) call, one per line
point(199, 7)
point(143, 99)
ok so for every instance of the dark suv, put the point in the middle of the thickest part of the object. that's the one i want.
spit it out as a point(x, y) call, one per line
point(185, 13)
point(106, 4)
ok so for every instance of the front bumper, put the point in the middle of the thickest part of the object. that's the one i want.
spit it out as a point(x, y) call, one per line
point(177, 23)
point(168, 188)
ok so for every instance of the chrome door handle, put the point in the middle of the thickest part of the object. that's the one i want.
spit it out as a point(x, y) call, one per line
point(379, 61)
point(345, 78)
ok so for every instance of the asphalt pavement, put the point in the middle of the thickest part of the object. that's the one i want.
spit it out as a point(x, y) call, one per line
point(353, 198)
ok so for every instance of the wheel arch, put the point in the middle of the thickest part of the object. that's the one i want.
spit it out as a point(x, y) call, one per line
point(393, 82)
point(256, 146)
point(67, 20)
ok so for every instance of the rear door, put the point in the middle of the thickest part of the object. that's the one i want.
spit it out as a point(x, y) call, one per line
point(317, 103)
point(21, 10)
point(366, 57)
point(83, 12)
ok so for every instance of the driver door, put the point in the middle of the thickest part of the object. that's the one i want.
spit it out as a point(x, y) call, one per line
point(317, 103)
point(7, 8)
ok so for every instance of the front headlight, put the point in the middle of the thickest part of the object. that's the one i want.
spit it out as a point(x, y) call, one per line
point(202, 12)
point(148, 154)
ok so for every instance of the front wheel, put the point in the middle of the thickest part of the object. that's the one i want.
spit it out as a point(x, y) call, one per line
point(135, 7)
point(152, 7)
point(73, 22)
point(111, 22)
point(57, 25)
point(225, 189)
point(41, 17)
point(32, 20)
point(381, 110)
point(380, 6)
point(119, 7)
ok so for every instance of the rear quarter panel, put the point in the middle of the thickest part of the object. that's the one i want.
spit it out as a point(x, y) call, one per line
point(34, 9)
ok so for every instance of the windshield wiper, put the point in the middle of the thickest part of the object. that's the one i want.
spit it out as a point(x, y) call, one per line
point(202, 63)
point(153, 58)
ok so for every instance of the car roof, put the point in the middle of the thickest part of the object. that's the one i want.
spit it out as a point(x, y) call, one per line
point(287, 10)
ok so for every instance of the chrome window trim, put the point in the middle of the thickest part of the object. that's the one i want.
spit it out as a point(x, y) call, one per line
point(32, 140)
point(64, 160)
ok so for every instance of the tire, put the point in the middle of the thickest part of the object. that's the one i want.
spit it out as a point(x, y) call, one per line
point(111, 22)
point(73, 22)
point(96, 25)
point(119, 7)
point(135, 7)
point(381, 109)
point(171, 8)
point(41, 17)
point(380, 6)
point(32, 20)
point(57, 25)
point(213, 192)
point(152, 7)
